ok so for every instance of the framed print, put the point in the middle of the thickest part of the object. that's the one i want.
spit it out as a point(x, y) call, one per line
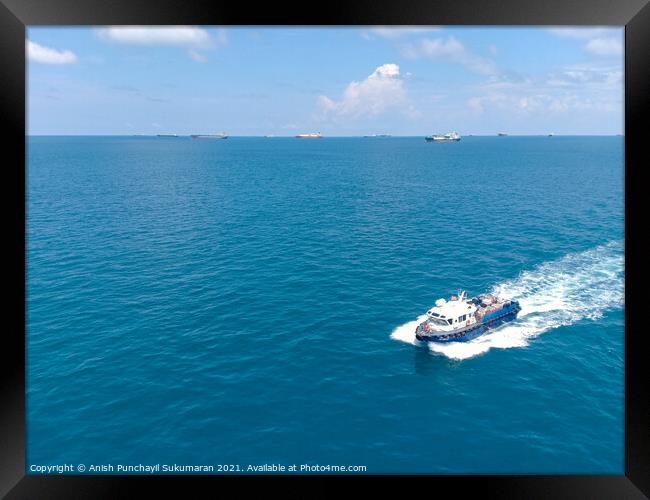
point(392, 244)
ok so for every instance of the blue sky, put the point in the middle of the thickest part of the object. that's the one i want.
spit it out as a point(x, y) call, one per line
point(339, 81)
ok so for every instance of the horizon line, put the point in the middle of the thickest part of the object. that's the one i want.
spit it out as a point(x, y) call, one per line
point(332, 136)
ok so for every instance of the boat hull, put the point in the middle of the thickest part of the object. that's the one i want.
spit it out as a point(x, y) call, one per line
point(472, 331)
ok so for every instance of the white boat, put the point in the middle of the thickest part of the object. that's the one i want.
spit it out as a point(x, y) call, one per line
point(451, 136)
point(460, 320)
point(312, 135)
point(209, 136)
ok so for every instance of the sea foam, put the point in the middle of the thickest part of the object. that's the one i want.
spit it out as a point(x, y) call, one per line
point(579, 286)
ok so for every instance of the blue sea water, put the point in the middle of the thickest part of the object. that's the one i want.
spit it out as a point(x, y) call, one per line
point(253, 301)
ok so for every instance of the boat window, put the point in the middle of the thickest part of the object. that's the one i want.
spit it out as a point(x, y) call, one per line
point(449, 321)
point(435, 314)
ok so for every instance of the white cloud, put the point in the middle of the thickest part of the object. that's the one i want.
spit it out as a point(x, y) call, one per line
point(180, 36)
point(191, 37)
point(601, 41)
point(46, 55)
point(394, 32)
point(518, 102)
point(581, 33)
point(450, 50)
point(605, 46)
point(571, 89)
point(588, 76)
point(386, 71)
point(382, 90)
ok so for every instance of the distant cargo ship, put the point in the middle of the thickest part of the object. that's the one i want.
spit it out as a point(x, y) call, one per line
point(167, 135)
point(452, 136)
point(502, 134)
point(378, 135)
point(313, 135)
point(209, 136)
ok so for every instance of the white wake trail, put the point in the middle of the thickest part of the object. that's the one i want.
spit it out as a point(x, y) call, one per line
point(558, 293)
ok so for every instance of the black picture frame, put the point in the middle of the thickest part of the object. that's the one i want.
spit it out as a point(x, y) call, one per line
point(15, 15)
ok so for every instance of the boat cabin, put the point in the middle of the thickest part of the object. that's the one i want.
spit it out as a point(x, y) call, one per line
point(453, 314)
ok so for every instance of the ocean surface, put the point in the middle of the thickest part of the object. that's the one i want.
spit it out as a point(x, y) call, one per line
point(253, 301)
